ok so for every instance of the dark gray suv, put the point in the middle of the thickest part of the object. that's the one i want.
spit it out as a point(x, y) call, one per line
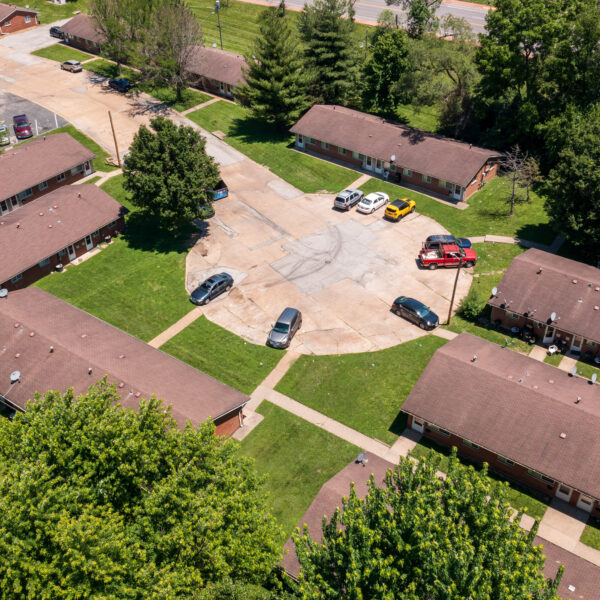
point(285, 328)
point(211, 288)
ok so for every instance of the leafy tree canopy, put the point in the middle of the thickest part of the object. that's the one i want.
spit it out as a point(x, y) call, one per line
point(101, 502)
point(168, 172)
point(420, 15)
point(420, 537)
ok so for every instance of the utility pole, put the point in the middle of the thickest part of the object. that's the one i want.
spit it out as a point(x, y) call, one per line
point(217, 8)
point(460, 260)
point(114, 138)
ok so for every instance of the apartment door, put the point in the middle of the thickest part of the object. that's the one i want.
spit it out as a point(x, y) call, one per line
point(418, 425)
point(576, 343)
point(89, 244)
point(87, 168)
point(564, 492)
point(585, 503)
point(378, 166)
point(368, 163)
point(549, 335)
point(71, 252)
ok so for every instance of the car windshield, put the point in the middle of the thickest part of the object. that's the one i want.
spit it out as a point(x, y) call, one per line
point(462, 252)
point(281, 327)
point(204, 287)
point(401, 204)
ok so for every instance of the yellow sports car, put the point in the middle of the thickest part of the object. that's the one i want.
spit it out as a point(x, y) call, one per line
point(399, 208)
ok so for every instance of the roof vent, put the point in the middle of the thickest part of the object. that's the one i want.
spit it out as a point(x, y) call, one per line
point(597, 289)
point(121, 356)
point(596, 307)
point(15, 376)
point(580, 300)
point(17, 355)
point(49, 226)
point(535, 387)
point(474, 358)
point(41, 214)
point(79, 195)
point(121, 385)
point(137, 394)
point(574, 281)
point(520, 380)
point(563, 435)
point(578, 400)
point(89, 370)
point(55, 206)
point(539, 270)
point(83, 335)
point(550, 380)
point(510, 376)
point(51, 349)
point(31, 333)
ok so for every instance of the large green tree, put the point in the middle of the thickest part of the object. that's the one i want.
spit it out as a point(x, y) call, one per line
point(98, 501)
point(168, 172)
point(573, 185)
point(420, 15)
point(420, 536)
point(276, 80)
point(387, 64)
point(330, 51)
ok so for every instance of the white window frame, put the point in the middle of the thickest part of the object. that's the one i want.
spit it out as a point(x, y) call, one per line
point(439, 430)
point(17, 278)
point(42, 186)
point(25, 194)
point(470, 444)
point(324, 146)
point(426, 178)
point(7, 23)
point(512, 315)
point(341, 150)
point(27, 19)
point(407, 172)
point(355, 154)
point(61, 177)
point(541, 477)
point(76, 170)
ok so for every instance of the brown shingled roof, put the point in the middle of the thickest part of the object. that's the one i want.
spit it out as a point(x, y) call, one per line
point(8, 9)
point(566, 287)
point(44, 226)
point(32, 320)
point(36, 161)
point(83, 26)
point(213, 63)
point(420, 151)
point(581, 578)
point(514, 406)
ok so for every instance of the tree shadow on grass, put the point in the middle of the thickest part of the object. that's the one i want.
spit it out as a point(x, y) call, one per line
point(542, 233)
point(252, 130)
point(399, 424)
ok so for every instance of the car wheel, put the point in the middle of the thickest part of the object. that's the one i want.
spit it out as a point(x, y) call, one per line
point(412, 210)
point(433, 266)
point(227, 288)
point(398, 312)
point(468, 264)
point(422, 325)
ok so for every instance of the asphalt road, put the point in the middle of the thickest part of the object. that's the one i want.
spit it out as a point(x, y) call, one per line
point(368, 11)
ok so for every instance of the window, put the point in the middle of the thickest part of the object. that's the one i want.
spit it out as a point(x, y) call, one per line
point(439, 430)
point(14, 201)
point(17, 278)
point(470, 444)
point(60, 177)
point(407, 172)
point(27, 19)
point(77, 169)
point(300, 139)
point(310, 140)
point(505, 460)
point(325, 145)
point(442, 183)
point(44, 262)
point(25, 194)
point(62, 252)
point(589, 343)
point(341, 150)
point(426, 178)
point(96, 233)
point(6, 23)
point(112, 224)
point(43, 185)
point(540, 476)
point(355, 155)
point(512, 315)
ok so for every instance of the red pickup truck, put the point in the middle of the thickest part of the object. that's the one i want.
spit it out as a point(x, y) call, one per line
point(447, 256)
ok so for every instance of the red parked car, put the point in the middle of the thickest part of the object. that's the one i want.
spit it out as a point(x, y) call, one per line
point(22, 127)
point(449, 255)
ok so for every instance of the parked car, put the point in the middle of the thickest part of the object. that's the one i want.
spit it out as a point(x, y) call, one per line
point(4, 135)
point(71, 65)
point(211, 288)
point(285, 328)
point(437, 241)
point(449, 255)
point(416, 312)
point(120, 84)
point(371, 202)
point(22, 127)
point(57, 32)
point(399, 208)
point(347, 199)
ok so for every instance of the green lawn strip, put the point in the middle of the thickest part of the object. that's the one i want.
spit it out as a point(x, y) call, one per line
point(487, 212)
point(421, 117)
point(270, 147)
point(61, 53)
point(591, 535)
point(48, 12)
point(554, 359)
point(492, 257)
point(524, 500)
point(223, 355)
point(364, 391)
point(100, 160)
point(114, 187)
point(105, 68)
point(586, 370)
point(298, 459)
point(93, 179)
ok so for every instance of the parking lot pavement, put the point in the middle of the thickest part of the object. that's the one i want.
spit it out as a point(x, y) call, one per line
point(25, 42)
point(341, 269)
point(41, 119)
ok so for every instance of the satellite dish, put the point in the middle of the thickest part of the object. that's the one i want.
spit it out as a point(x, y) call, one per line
point(553, 316)
point(15, 376)
point(392, 158)
point(594, 376)
point(574, 371)
point(494, 291)
point(3, 293)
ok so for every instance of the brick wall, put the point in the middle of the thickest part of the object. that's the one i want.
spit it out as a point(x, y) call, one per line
point(213, 86)
point(36, 272)
point(17, 22)
point(82, 44)
point(53, 183)
point(490, 169)
point(332, 152)
point(416, 179)
point(228, 424)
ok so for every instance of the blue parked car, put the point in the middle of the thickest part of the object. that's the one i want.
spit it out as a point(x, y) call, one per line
point(121, 85)
point(437, 241)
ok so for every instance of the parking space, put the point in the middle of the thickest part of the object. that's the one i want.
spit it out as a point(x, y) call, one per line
point(341, 269)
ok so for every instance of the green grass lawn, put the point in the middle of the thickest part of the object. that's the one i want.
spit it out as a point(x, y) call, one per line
point(524, 500)
point(49, 13)
point(61, 53)
point(223, 355)
point(586, 370)
point(105, 68)
point(492, 258)
point(487, 212)
point(93, 179)
point(136, 283)
point(591, 535)
point(298, 458)
point(270, 147)
point(554, 359)
point(364, 391)
point(100, 160)
point(421, 117)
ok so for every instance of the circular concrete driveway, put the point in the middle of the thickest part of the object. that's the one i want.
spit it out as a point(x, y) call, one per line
point(342, 270)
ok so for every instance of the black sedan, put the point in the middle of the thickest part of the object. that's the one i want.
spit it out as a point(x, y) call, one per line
point(211, 288)
point(121, 85)
point(57, 32)
point(415, 311)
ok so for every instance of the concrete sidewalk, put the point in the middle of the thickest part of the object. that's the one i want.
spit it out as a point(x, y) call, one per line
point(178, 327)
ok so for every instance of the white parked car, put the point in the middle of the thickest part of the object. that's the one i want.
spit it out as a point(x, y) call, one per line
point(372, 202)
